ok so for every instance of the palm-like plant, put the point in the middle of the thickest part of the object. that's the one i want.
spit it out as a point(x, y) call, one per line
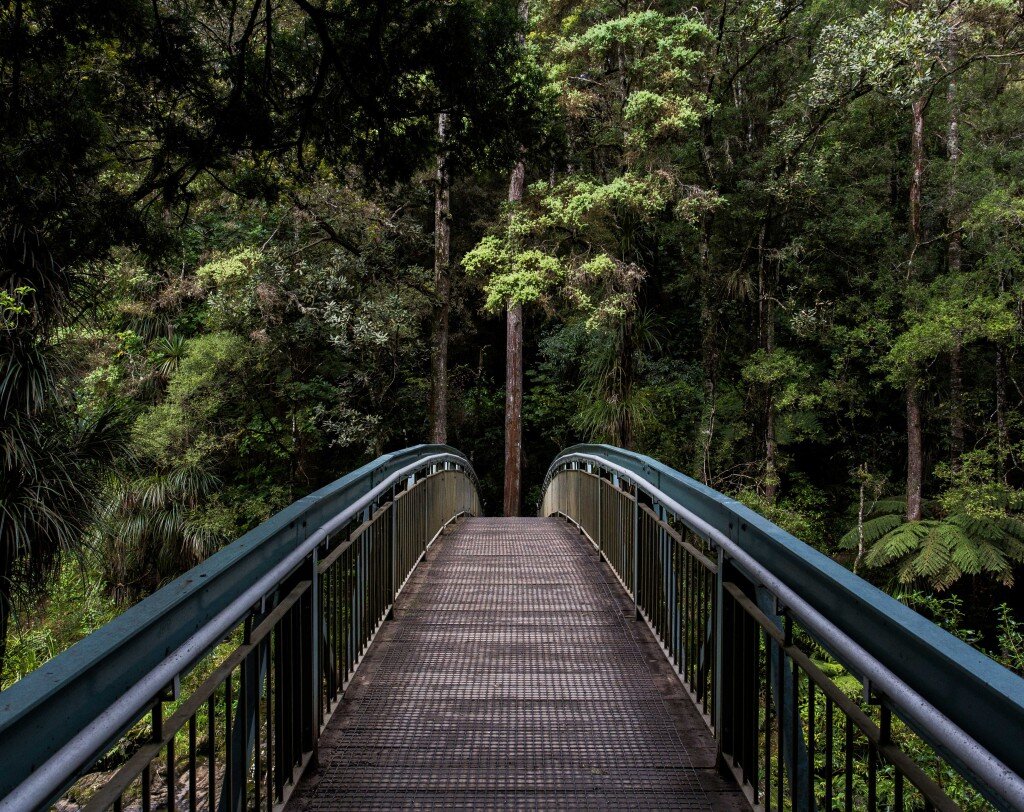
point(166, 354)
point(612, 406)
point(52, 467)
point(940, 548)
point(150, 529)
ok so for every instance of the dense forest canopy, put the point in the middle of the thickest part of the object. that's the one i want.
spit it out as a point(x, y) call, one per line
point(248, 245)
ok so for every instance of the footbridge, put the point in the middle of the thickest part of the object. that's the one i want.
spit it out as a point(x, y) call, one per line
point(643, 643)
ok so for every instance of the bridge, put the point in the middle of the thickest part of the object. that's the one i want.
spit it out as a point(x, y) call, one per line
point(644, 643)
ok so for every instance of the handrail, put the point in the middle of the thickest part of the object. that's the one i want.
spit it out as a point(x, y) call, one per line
point(962, 701)
point(61, 717)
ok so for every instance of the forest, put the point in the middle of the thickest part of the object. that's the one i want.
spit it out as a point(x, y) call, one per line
point(249, 245)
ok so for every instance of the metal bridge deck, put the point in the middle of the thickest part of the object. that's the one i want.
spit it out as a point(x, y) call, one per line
point(514, 677)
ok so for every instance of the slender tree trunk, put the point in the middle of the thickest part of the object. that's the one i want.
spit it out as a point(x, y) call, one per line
point(915, 463)
point(513, 409)
point(512, 495)
point(442, 291)
point(5, 609)
point(1002, 433)
point(954, 262)
point(15, 89)
point(709, 354)
point(771, 474)
point(766, 341)
point(625, 393)
point(957, 428)
point(860, 521)
point(916, 178)
point(514, 377)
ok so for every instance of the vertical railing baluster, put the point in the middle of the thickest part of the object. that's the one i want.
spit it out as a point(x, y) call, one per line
point(272, 679)
point(192, 762)
point(780, 723)
point(636, 555)
point(810, 742)
point(397, 573)
point(211, 750)
point(229, 754)
point(828, 753)
point(766, 682)
point(848, 765)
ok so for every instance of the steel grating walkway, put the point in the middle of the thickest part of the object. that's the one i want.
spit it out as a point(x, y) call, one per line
point(514, 677)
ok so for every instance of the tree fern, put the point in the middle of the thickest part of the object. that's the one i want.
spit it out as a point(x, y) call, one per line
point(939, 550)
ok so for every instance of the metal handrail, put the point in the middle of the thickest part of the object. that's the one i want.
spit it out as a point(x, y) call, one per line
point(44, 747)
point(917, 667)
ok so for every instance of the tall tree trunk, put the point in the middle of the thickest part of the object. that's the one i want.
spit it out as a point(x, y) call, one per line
point(915, 463)
point(771, 473)
point(513, 409)
point(954, 262)
point(514, 376)
point(956, 402)
point(709, 354)
point(512, 495)
point(916, 178)
point(625, 382)
point(860, 519)
point(766, 341)
point(442, 291)
point(1002, 433)
point(15, 89)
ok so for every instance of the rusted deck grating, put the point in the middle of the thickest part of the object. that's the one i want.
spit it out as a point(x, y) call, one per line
point(514, 679)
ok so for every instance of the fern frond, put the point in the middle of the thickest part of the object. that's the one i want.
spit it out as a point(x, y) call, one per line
point(878, 527)
point(897, 543)
point(1013, 549)
point(906, 574)
point(966, 554)
point(991, 559)
point(976, 528)
point(936, 549)
point(893, 506)
point(874, 529)
point(1011, 526)
point(848, 540)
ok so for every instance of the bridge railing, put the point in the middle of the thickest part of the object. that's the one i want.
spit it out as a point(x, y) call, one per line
point(755, 621)
point(264, 636)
